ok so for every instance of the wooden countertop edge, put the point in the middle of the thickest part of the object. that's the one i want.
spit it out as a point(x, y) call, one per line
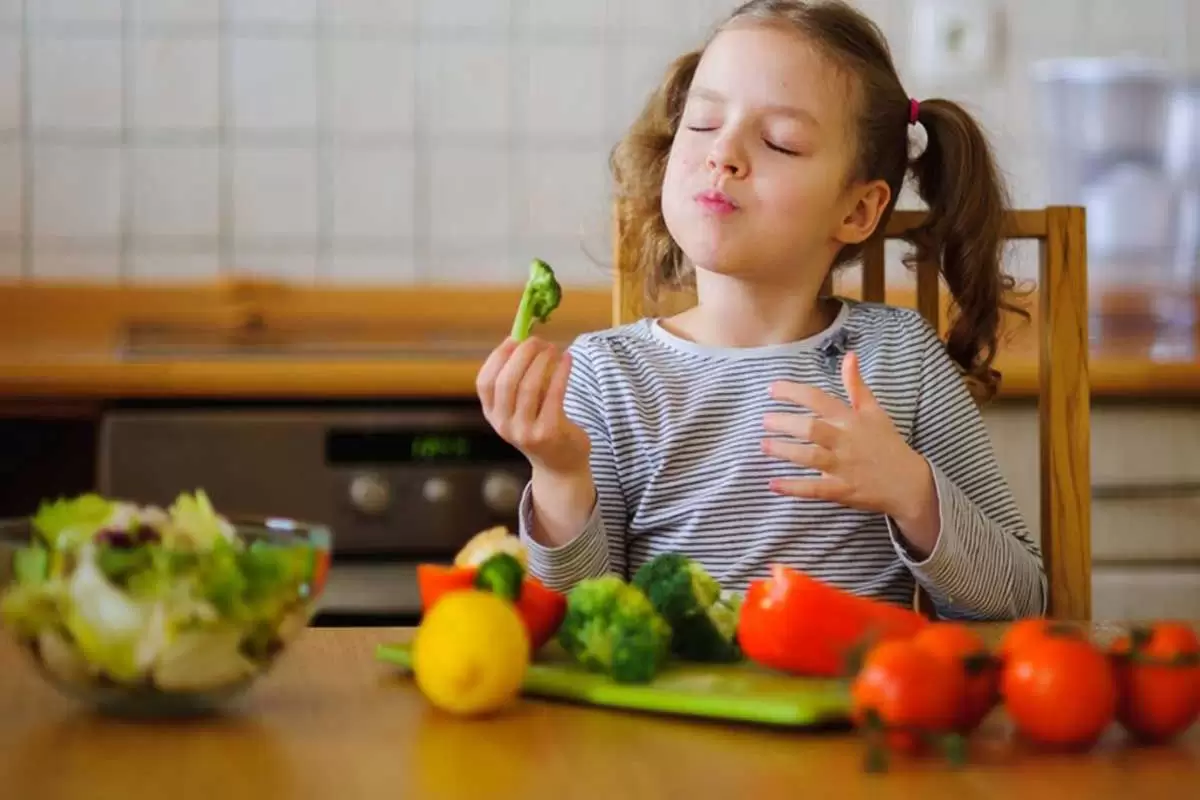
point(59, 343)
point(436, 378)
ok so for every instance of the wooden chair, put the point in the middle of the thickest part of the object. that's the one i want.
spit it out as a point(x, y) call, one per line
point(1063, 398)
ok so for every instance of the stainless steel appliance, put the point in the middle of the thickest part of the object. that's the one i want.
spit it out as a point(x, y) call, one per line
point(1119, 138)
point(397, 484)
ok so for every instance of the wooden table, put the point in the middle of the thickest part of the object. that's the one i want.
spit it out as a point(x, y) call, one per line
point(333, 723)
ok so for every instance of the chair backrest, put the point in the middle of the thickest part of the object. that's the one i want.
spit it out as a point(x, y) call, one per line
point(1064, 427)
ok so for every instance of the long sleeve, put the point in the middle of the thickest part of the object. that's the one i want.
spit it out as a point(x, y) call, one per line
point(600, 546)
point(985, 564)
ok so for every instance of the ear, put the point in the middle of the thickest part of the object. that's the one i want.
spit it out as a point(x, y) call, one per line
point(869, 202)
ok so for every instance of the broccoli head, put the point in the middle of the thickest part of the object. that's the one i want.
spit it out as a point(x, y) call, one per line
point(501, 574)
point(611, 627)
point(703, 618)
point(541, 296)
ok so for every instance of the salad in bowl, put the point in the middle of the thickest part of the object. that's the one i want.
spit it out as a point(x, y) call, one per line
point(147, 609)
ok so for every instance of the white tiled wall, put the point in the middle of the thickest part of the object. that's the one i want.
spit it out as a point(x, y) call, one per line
point(392, 140)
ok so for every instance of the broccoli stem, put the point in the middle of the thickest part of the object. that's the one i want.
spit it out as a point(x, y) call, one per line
point(523, 322)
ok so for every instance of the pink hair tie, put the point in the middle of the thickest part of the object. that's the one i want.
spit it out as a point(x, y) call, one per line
point(918, 137)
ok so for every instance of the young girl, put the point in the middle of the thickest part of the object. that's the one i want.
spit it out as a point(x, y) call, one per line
point(769, 423)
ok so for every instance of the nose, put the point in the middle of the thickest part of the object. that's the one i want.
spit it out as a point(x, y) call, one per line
point(727, 156)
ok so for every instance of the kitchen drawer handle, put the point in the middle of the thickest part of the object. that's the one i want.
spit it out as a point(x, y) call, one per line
point(1146, 491)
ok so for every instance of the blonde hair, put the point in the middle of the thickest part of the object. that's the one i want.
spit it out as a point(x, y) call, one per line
point(956, 176)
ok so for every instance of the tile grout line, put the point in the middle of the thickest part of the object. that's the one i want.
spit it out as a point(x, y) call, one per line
point(612, 62)
point(299, 138)
point(225, 155)
point(407, 34)
point(422, 182)
point(323, 155)
point(518, 94)
point(128, 156)
point(26, 138)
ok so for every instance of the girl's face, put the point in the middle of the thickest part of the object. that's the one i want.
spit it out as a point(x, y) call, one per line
point(756, 184)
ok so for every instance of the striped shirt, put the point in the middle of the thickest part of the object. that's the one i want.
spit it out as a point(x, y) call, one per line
point(676, 428)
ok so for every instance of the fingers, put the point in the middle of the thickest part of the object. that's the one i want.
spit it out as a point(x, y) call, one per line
point(825, 487)
point(556, 392)
point(532, 387)
point(485, 381)
point(508, 382)
point(802, 455)
point(856, 388)
point(810, 397)
point(803, 427)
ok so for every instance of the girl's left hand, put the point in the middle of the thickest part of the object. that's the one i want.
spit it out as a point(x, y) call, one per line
point(863, 460)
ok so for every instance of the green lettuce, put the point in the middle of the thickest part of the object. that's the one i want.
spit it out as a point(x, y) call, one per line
point(193, 521)
point(66, 523)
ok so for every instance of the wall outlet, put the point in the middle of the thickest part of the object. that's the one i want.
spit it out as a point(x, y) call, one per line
point(954, 41)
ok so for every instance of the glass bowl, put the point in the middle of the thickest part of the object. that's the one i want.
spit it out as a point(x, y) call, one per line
point(196, 637)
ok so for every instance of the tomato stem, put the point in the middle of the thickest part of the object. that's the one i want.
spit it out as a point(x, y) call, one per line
point(1179, 660)
point(977, 663)
point(876, 757)
point(955, 748)
point(1139, 637)
point(1064, 629)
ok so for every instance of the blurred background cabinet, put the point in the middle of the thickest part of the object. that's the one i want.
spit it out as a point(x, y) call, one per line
point(1145, 500)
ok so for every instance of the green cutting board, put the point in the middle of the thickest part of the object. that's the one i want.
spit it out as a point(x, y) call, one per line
point(740, 692)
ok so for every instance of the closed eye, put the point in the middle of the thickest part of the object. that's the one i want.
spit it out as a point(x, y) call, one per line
point(779, 149)
point(699, 129)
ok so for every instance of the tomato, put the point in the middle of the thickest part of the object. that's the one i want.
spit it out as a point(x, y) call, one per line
point(1060, 691)
point(541, 609)
point(910, 691)
point(965, 650)
point(1158, 680)
point(794, 623)
point(1024, 632)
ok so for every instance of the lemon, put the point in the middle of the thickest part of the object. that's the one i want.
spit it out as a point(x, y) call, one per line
point(470, 653)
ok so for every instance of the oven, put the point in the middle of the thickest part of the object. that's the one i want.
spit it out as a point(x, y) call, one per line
point(397, 485)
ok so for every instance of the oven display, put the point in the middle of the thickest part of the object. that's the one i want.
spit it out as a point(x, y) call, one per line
point(403, 446)
point(435, 446)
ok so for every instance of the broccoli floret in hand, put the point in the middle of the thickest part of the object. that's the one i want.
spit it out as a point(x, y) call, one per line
point(542, 295)
point(611, 627)
point(702, 617)
point(501, 575)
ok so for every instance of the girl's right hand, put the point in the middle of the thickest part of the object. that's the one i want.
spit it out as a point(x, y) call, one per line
point(521, 387)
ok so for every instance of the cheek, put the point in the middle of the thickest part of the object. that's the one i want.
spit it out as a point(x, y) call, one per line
point(682, 165)
point(679, 178)
point(805, 194)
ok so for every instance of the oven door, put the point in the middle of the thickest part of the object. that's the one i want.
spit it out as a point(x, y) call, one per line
point(396, 486)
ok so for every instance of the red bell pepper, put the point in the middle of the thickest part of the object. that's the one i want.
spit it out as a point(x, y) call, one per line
point(320, 570)
point(797, 624)
point(541, 609)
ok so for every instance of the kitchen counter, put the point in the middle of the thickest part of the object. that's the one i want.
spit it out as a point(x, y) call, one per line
point(240, 339)
point(332, 722)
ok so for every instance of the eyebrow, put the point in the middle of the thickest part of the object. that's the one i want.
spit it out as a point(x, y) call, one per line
point(790, 111)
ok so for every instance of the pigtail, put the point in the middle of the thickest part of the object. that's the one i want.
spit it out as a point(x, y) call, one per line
point(959, 181)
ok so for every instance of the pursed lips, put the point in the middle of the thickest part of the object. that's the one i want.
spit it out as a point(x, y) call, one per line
point(716, 201)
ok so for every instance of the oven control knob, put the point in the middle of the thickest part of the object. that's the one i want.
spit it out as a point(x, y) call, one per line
point(436, 490)
point(502, 492)
point(370, 494)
